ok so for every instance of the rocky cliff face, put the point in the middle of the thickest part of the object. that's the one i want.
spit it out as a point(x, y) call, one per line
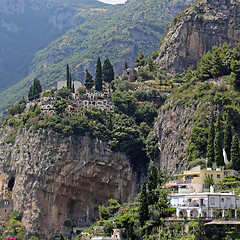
point(173, 128)
point(54, 179)
point(196, 30)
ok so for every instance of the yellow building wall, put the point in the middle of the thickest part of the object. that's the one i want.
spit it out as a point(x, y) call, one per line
point(217, 175)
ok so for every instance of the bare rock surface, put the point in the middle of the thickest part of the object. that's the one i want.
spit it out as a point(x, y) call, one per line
point(196, 30)
point(58, 179)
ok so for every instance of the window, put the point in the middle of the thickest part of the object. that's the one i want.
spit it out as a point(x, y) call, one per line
point(212, 200)
point(222, 199)
point(218, 175)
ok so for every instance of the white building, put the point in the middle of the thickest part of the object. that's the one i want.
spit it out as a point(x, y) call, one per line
point(206, 204)
point(77, 84)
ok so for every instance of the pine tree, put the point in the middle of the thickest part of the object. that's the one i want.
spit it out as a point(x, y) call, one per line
point(98, 75)
point(235, 154)
point(125, 66)
point(107, 72)
point(228, 137)
point(143, 208)
point(216, 62)
point(218, 144)
point(140, 60)
point(150, 63)
point(210, 143)
point(88, 80)
point(204, 67)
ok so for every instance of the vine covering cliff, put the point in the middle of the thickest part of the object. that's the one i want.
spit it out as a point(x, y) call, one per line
point(196, 30)
point(54, 179)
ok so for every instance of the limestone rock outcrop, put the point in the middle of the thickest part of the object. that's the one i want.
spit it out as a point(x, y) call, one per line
point(196, 30)
point(54, 179)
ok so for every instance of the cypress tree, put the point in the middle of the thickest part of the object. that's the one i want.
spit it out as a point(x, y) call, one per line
point(30, 93)
point(218, 144)
point(125, 66)
point(73, 88)
point(107, 72)
point(68, 77)
point(70, 80)
point(235, 154)
point(34, 90)
point(200, 233)
point(152, 182)
point(143, 208)
point(210, 143)
point(37, 88)
point(88, 80)
point(228, 137)
point(98, 75)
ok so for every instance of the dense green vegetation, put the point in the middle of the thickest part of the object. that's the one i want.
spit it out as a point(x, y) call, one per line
point(217, 106)
point(128, 129)
point(118, 34)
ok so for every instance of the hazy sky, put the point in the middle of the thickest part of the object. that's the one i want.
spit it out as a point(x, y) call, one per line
point(113, 1)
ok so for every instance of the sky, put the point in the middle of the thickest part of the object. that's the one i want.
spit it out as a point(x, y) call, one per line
point(113, 1)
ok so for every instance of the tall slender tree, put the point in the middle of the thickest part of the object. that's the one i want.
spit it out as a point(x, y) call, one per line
point(98, 75)
point(89, 83)
point(152, 182)
point(107, 72)
point(227, 140)
point(73, 88)
point(70, 81)
point(125, 65)
point(218, 143)
point(68, 77)
point(143, 208)
point(210, 142)
point(235, 154)
point(34, 90)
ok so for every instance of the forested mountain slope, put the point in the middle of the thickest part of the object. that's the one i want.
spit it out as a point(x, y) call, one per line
point(28, 26)
point(118, 34)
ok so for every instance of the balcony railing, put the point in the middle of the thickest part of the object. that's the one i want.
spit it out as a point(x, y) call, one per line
point(180, 182)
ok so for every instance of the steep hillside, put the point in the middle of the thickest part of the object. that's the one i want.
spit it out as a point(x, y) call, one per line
point(196, 30)
point(118, 34)
point(182, 126)
point(28, 26)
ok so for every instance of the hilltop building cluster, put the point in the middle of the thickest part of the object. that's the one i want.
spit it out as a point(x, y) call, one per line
point(77, 102)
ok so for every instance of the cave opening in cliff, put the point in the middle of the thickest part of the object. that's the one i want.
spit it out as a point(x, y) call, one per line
point(11, 184)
